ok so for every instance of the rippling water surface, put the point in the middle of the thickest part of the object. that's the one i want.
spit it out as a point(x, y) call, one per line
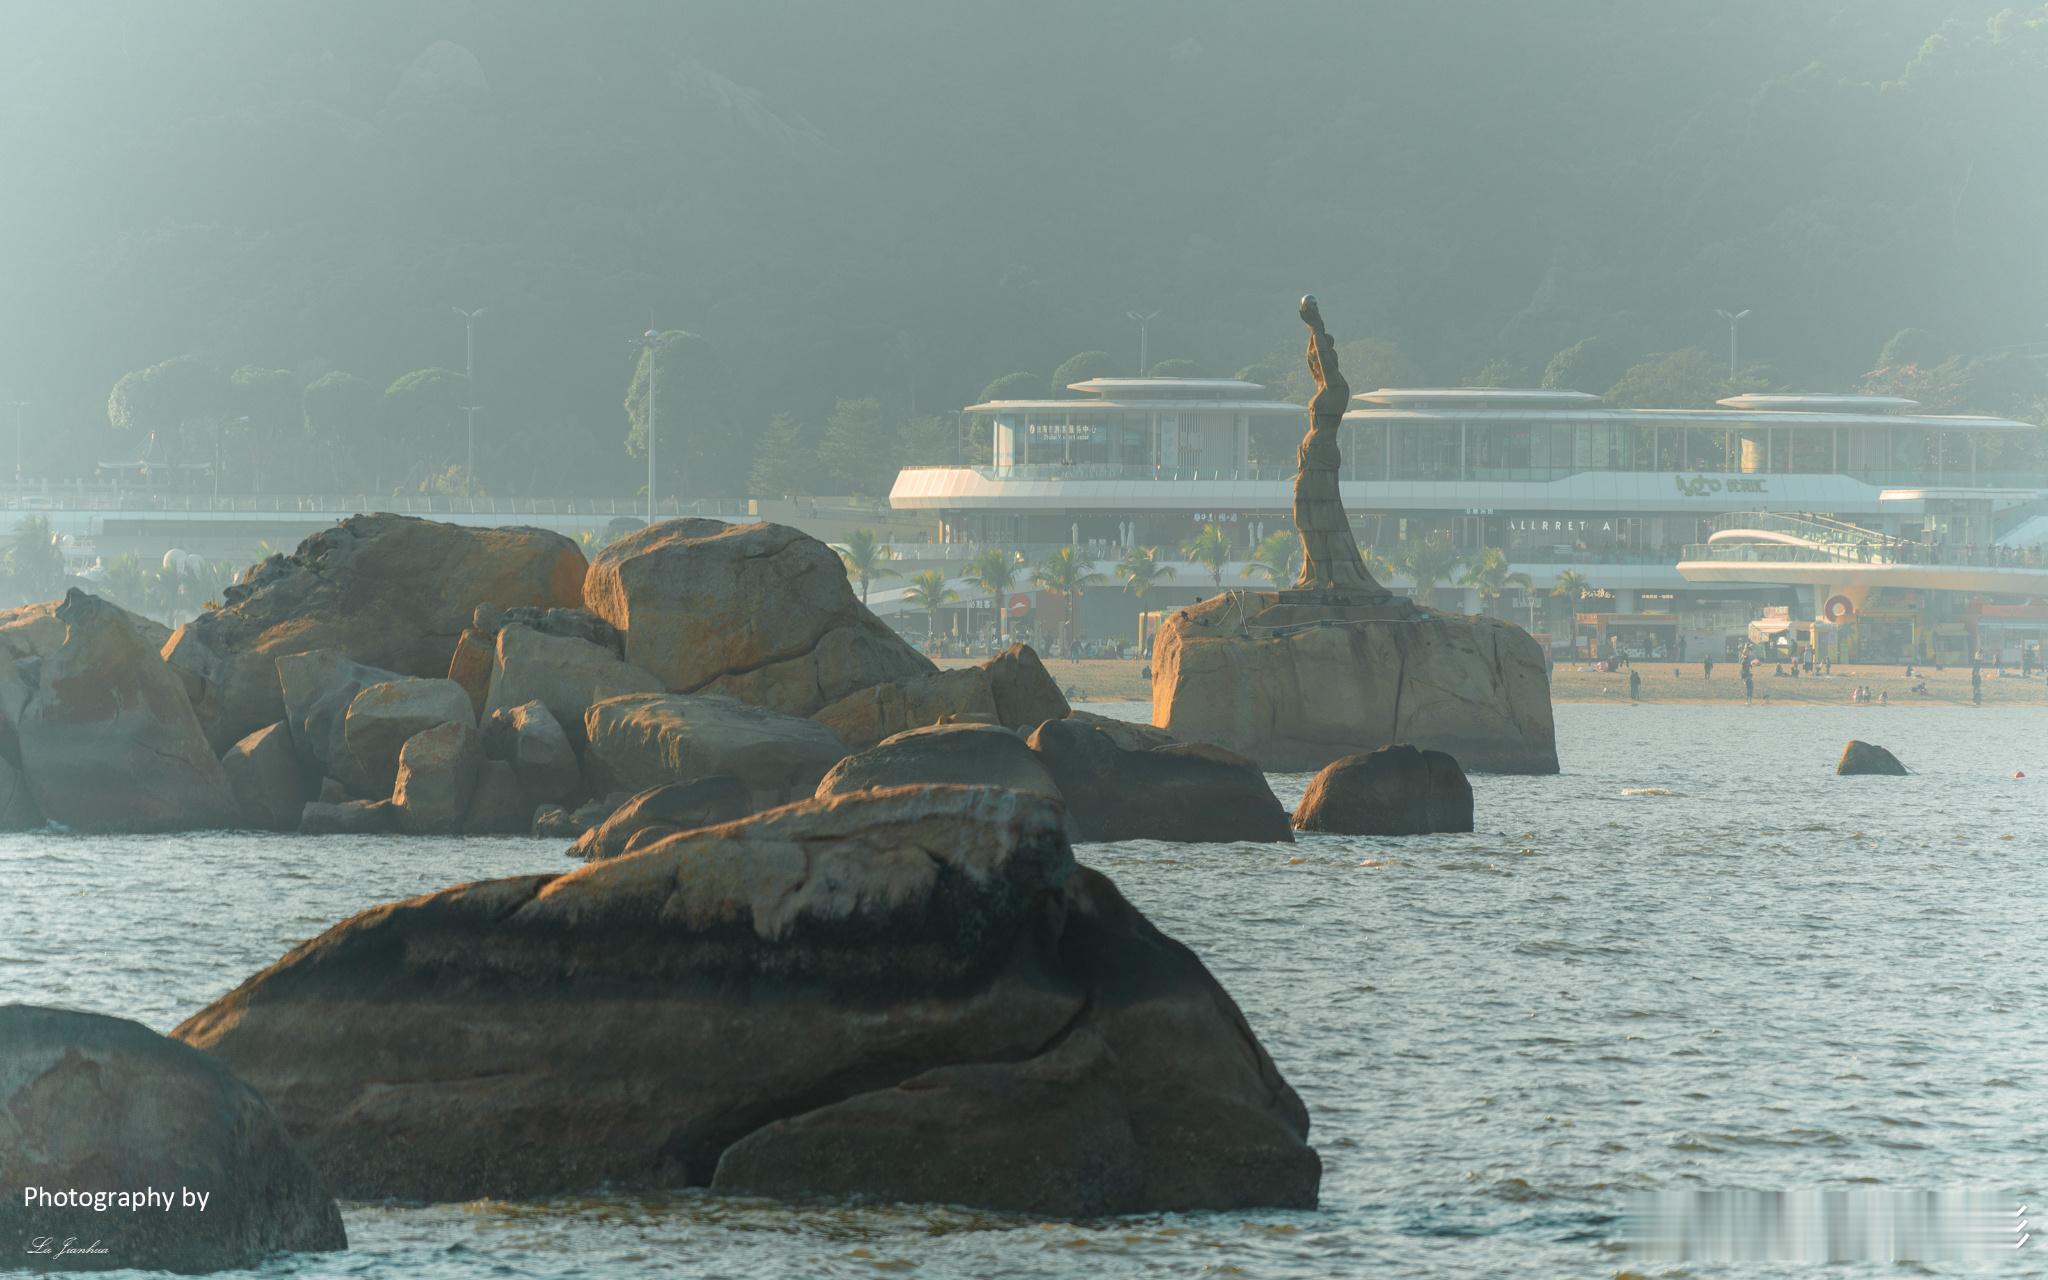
point(1695, 959)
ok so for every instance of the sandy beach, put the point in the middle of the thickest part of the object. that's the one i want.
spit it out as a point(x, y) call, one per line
point(1118, 680)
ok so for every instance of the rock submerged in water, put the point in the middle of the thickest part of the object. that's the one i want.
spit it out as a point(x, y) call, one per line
point(1394, 791)
point(664, 811)
point(1117, 788)
point(1327, 685)
point(900, 994)
point(965, 754)
point(1867, 757)
point(388, 591)
point(98, 1104)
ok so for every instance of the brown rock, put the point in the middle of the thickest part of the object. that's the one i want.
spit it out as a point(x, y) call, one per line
point(679, 806)
point(497, 807)
point(1336, 682)
point(263, 772)
point(761, 612)
point(902, 938)
point(1025, 693)
point(565, 673)
point(972, 755)
point(349, 818)
point(96, 1104)
point(558, 823)
point(107, 739)
point(1394, 791)
point(536, 746)
point(644, 740)
point(470, 667)
point(384, 717)
point(437, 773)
point(1186, 791)
point(866, 716)
point(1865, 757)
point(390, 591)
point(317, 688)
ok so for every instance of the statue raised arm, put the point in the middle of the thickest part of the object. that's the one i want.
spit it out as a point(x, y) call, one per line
point(1329, 555)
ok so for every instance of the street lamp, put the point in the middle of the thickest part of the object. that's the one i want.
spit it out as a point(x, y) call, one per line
point(1733, 320)
point(240, 422)
point(469, 468)
point(469, 344)
point(1144, 351)
point(650, 342)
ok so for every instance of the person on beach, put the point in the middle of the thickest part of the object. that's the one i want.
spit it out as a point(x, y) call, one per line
point(1635, 685)
point(1976, 685)
point(1748, 681)
point(1707, 667)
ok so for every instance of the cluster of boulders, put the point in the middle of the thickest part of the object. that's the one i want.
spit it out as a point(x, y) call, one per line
point(830, 937)
point(398, 675)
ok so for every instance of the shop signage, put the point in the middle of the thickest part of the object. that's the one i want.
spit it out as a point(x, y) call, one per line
point(1707, 486)
point(1063, 431)
point(1561, 526)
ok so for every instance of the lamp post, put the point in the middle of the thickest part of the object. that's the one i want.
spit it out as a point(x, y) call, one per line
point(20, 408)
point(242, 421)
point(1144, 351)
point(650, 342)
point(1733, 320)
point(469, 344)
point(469, 468)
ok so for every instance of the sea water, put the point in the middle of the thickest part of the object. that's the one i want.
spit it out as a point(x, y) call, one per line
point(1696, 962)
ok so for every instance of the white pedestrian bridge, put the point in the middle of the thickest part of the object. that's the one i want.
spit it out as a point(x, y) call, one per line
point(1803, 550)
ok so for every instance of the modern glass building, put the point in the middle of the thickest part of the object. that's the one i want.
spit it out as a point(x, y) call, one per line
point(1559, 479)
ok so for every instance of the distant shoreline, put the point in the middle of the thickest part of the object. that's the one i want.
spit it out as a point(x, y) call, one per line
point(1118, 680)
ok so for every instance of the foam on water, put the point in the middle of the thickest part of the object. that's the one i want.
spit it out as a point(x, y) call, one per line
point(1772, 979)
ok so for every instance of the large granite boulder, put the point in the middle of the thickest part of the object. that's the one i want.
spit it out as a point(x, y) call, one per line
point(643, 740)
point(107, 740)
point(537, 747)
point(104, 1106)
point(263, 772)
point(390, 591)
point(1025, 693)
point(966, 754)
point(1867, 757)
point(564, 673)
point(1395, 791)
point(761, 612)
point(384, 717)
point(664, 811)
point(866, 716)
point(1181, 791)
point(35, 630)
point(317, 689)
point(801, 1003)
point(1295, 686)
point(476, 649)
point(437, 775)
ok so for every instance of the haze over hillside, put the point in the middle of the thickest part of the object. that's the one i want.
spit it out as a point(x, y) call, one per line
point(899, 202)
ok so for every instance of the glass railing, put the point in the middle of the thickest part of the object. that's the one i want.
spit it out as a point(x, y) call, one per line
point(1366, 473)
point(1897, 554)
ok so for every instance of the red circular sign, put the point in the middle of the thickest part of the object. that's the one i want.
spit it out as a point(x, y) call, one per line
point(1020, 605)
point(1837, 608)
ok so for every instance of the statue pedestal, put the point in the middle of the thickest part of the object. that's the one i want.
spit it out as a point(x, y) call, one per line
point(1296, 679)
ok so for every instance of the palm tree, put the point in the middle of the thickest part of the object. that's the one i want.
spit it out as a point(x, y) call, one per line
point(928, 591)
point(1376, 564)
point(36, 559)
point(1211, 549)
point(121, 580)
point(1140, 568)
point(1488, 575)
point(1277, 558)
point(994, 571)
point(1063, 574)
point(1571, 584)
point(1427, 561)
point(866, 558)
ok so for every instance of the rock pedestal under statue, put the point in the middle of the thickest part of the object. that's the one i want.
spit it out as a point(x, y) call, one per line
point(1340, 665)
point(1295, 684)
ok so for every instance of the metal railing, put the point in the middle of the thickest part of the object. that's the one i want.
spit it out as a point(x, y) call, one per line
point(145, 502)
